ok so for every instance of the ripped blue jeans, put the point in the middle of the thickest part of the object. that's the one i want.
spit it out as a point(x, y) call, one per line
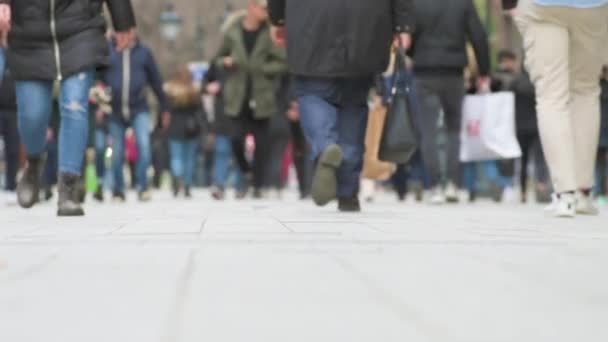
point(34, 106)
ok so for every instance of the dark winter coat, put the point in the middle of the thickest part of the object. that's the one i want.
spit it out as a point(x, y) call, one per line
point(341, 38)
point(54, 39)
point(443, 29)
point(186, 112)
point(137, 67)
point(262, 67)
point(509, 4)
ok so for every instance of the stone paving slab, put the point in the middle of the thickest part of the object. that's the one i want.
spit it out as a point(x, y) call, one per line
point(286, 271)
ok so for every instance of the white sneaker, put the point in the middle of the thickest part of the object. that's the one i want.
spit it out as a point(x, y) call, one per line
point(452, 195)
point(585, 205)
point(565, 206)
point(438, 196)
point(509, 195)
point(549, 209)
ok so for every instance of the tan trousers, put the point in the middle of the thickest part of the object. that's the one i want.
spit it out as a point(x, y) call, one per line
point(564, 55)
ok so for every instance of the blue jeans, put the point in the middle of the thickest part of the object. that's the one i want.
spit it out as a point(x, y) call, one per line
point(334, 111)
point(34, 105)
point(222, 162)
point(490, 169)
point(141, 127)
point(100, 154)
point(183, 159)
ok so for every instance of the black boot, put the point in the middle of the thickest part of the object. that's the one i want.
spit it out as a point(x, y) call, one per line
point(28, 188)
point(69, 196)
point(98, 196)
point(349, 205)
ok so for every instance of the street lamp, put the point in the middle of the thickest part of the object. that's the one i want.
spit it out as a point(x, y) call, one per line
point(170, 23)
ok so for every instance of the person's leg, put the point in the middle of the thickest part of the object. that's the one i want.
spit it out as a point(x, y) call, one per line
point(588, 31)
point(223, 155)
point(547, 45)
point(452, 95)
point(352, 125)
point(117, 133)
point(262, 153)
point(300, 158)
point(190, 148)
point(602, 172)
point(176, 149)
point(34, 99)
point(399, 180)
point(73, 133)
point(72, 140)
point(100, 154)
point(11, 145)
point(141, 126)
point(318, 104)
point(237, 141)
point(430, 106)
point(525, 141)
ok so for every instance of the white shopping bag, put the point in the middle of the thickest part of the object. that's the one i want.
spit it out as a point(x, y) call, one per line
point(488, 128)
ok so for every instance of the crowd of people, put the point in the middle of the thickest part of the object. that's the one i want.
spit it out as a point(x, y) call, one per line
point(291, 84)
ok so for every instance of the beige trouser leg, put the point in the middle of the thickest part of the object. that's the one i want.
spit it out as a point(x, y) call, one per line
point(564, 56)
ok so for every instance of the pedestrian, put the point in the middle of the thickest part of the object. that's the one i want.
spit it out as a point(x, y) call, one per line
point(100, 99)
point(506, 71)
point(253, 67)
point(8, 129)
point(334, 57)
point(184, 131)
point(219, 136)
point(527, 134)
point(563, 40)
point(47, 44)
point(439, 51)
point(130, 72)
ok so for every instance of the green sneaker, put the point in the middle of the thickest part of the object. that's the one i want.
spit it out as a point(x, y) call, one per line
point(325, 182)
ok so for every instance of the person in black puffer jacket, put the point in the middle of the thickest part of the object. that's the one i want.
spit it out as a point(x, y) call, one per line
point(185, 128)
point(439, 51)
point(335, 48)
point(57, 40)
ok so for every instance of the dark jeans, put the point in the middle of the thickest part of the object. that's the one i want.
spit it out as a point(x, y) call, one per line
point(602, 171)
point(241, 127)
point(436, 93)
point(301, 160)
point(531, 146)
point(413, 172)
point(334, 111)
point(8, 129)
point(101, 139)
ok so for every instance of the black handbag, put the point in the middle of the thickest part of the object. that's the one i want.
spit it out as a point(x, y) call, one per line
point(400, 139)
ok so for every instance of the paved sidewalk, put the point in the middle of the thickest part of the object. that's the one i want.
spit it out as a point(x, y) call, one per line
point(284, 271)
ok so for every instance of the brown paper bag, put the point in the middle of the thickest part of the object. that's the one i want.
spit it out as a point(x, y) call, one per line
point(373, 168)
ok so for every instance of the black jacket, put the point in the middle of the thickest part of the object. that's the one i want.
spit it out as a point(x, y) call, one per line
point(509, 4)
point(340, 38)
point(442, 31)
point(74, 39)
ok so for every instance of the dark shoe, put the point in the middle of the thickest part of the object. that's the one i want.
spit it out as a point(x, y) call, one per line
point(98, 196)
point(218, 194)
point(418, 189)
point(69, 196)
point(349, 205)
point(48, 193)
point(28, 188)
point(325, 183)
point(176, 186)
point(187, 192)
point(118, 197)
point(258, 194)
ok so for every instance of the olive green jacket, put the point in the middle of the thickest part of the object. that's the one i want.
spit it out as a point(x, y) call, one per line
point(265, 64)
